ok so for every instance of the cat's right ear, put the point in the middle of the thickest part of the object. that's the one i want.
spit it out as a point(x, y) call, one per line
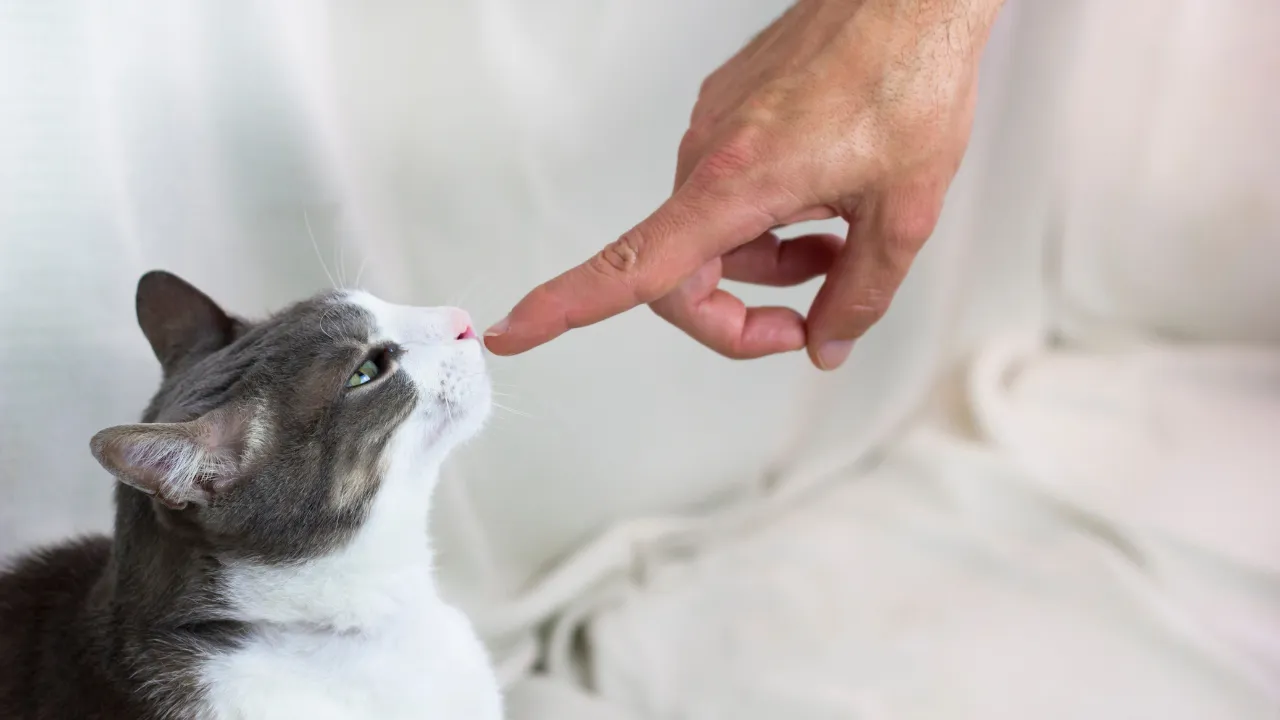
point(181, 323)
point(180, 463)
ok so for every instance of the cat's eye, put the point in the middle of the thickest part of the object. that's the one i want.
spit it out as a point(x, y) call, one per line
point(376, 365)
point(367, 371)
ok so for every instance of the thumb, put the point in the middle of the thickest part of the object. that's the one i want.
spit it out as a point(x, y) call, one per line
point(647, 262)
point(884, 238)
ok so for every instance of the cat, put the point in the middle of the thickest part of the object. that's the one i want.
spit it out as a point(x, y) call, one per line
point(270, 557)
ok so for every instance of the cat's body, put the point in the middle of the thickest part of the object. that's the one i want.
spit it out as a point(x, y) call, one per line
point(270, 557)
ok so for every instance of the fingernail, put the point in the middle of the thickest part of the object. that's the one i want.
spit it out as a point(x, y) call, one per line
point(833, 353)
point(498, 327)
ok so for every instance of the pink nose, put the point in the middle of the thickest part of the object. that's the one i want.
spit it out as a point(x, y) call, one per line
point(462, 328)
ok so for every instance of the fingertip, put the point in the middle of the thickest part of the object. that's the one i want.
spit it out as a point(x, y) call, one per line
point(499, 328)
point(535, 320)
point(831, 354)
point(496, 346)
point(772, 330)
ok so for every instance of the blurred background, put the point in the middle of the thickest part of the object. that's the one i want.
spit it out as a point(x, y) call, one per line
point(1047, 484)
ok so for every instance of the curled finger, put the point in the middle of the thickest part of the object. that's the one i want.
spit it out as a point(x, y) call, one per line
point(768, 260)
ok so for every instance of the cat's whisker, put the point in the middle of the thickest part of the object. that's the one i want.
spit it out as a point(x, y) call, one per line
point(447, 404)
point(501, 417)
point(457, 298)
point(360, 271)
point(466, 289)
point(340, 250)
point(505, 396)
point(306, 218)
point(504, 417)
point(494, 386)
point(326, 333)
point(512, 410)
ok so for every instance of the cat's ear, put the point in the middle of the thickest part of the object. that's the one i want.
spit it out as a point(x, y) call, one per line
point(181, 323)
point(179, 463)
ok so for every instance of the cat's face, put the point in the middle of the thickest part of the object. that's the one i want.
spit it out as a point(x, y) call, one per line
point(271, 440)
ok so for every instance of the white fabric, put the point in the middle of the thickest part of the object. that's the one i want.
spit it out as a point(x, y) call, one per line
point(1120, 187)
point(1092, 576)
point(1143, 436)
point(1178, 448)
point(939, 585)
point(1169, 218)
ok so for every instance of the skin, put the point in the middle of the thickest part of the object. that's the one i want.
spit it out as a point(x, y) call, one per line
point(857, 109)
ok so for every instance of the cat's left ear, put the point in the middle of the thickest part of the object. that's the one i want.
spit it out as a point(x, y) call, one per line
point(181, 323)
point(179, 463)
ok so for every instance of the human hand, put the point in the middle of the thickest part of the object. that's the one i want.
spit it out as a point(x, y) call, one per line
point(858, 109)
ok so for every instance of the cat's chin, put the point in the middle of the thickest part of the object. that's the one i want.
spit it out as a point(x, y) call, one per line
point(462, 415)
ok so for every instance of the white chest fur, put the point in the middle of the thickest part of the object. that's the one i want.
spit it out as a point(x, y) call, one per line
point(359, 634)
point(427, 664)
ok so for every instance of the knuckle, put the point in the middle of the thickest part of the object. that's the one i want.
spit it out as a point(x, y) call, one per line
point(911, 214)
point(621, 262)
point(693, 140)
point(851, 318)
point(871, 307)
point(761, 108)
point(741, 150)
point(909, 227)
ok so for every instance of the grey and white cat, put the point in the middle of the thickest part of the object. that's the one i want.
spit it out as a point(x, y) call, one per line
point(270, 557)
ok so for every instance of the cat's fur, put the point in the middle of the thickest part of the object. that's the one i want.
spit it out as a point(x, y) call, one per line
point(270, 558)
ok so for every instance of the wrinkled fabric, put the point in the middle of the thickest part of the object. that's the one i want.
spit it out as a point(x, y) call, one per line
point(1107, 252)
point(941, 584)
point(1108, 549)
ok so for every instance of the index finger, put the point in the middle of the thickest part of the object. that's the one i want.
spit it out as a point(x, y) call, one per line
point(692, 227)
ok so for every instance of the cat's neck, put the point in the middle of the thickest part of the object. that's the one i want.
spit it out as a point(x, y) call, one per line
point(383, 571)
point(154, 578)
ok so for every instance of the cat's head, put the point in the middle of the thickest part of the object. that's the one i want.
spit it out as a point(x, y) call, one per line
point(272, 439)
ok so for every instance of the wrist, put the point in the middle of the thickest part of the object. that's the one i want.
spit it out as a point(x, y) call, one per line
point(963, 26)
point(977, 14)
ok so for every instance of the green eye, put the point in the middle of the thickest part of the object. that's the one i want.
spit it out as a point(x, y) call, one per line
point(366, 373)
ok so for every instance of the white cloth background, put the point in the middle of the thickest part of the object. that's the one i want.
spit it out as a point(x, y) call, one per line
point(707, 524)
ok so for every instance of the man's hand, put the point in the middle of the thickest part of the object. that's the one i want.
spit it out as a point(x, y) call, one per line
point(858, 109)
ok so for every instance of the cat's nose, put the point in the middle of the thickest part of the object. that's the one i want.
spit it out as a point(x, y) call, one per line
point(461, 327)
